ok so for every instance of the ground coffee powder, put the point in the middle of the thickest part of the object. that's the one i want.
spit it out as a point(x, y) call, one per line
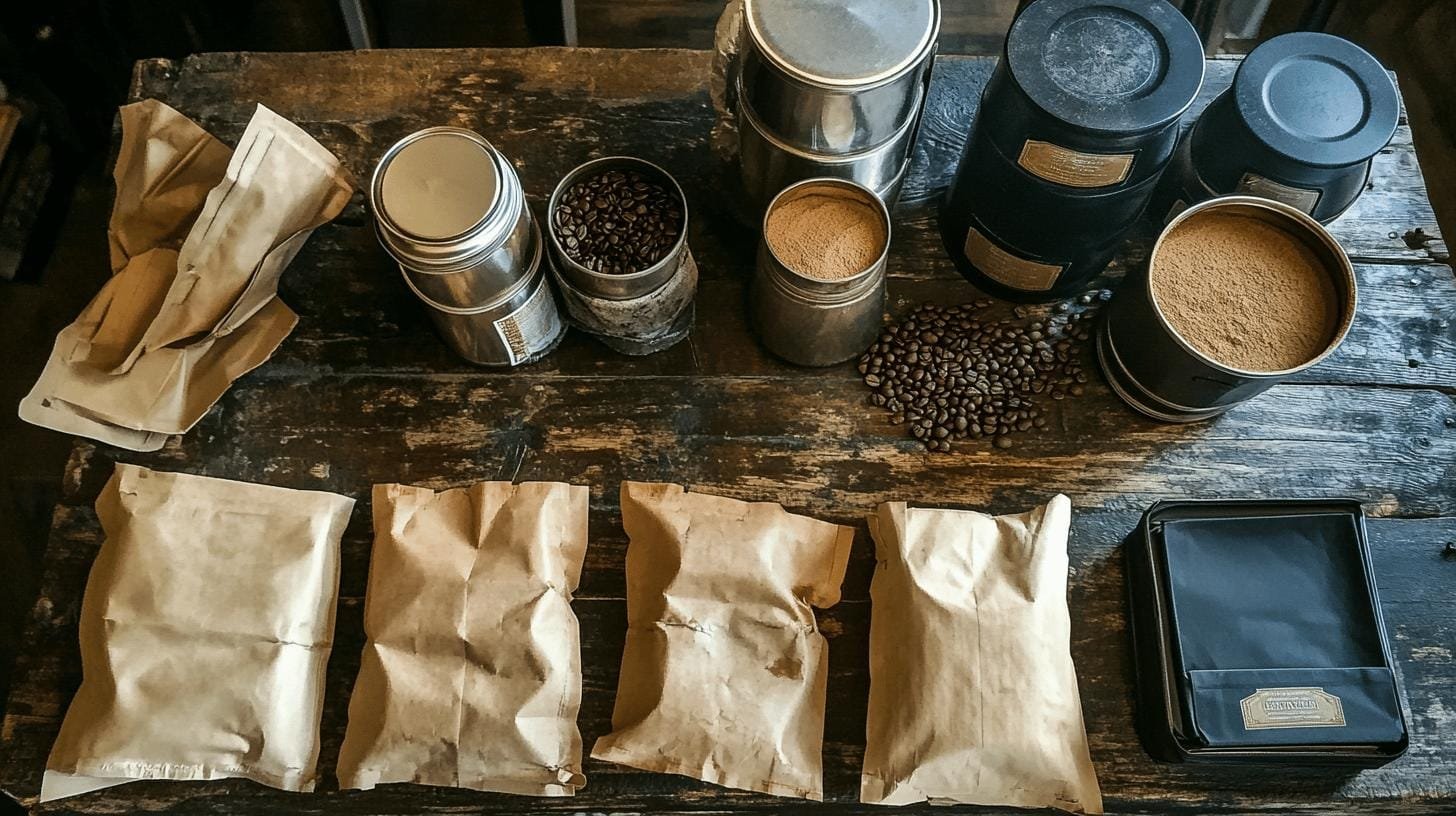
point(825, 236)
point(1245, 292)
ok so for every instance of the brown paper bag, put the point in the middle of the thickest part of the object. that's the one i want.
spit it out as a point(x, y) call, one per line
point(724, 669)
point(471, 676)
point(205, 628)
point(175, 326)
point(973, 696)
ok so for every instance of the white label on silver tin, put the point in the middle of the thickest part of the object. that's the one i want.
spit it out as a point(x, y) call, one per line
point(1298, 197)
point(531, 328)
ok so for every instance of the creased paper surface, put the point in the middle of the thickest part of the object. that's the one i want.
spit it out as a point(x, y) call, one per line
point(199, 238)
point(973, 695)
point(205, 628)
point(724, 670)
point(471, 676)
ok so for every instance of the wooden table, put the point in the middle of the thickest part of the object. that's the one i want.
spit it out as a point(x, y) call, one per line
point(363, 392)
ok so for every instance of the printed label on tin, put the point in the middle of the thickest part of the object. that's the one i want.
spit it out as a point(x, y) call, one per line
point(1072, 168)
point(531, 328)
point(1302, 707)
point(1003, 267)
point(1298, 197)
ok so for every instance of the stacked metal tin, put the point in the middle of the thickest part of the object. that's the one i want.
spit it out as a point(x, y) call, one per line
point(1075, 128)
point(832, 88)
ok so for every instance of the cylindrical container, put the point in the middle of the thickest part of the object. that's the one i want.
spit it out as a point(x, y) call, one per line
point(769, 164)
point(450, 209)
point(634, 313)
point(520, 326)
point(1158, 372)
point(812, 321)
point(1305, 115)
point(1074, 131)
point(835, 77)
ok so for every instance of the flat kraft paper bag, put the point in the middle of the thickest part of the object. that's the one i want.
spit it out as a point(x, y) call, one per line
point(973, 695)
point(177, 324)
point(724, 670)
point(471, 676)
point(205, 628)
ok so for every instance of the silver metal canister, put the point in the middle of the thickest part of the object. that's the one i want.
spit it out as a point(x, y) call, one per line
point(450, 209)
point(812, 321)
point(1159, 373)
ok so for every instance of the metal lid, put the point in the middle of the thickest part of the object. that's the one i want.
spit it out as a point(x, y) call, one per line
point(843, 43)
point(437, 184)
point(1317, 99)
point(1119, 66)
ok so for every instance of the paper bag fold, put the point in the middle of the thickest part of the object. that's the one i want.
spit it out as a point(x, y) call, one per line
point(973, 695)
point(471, 676)
point(723, 674)
point(205, 628)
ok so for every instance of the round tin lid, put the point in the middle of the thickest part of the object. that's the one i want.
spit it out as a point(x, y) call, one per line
point(1317, 99)
point(842, 42)
point(439, 184)
point(1119, 66)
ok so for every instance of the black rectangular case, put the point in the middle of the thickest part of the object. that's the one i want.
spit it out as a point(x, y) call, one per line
point(1258, 637)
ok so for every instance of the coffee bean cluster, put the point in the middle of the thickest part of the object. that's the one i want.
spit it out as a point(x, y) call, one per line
point(617, 222)
point(953, 372)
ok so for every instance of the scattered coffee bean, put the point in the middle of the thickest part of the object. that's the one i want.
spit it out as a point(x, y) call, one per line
point(618, 222)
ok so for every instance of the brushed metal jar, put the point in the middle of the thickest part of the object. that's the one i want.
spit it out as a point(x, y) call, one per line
point(837, 76)
point(812, 321)
point(450, 209)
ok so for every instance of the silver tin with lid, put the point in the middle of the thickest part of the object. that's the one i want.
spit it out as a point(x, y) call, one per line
point(450, 209)
point(837, 76)
point(812, 321)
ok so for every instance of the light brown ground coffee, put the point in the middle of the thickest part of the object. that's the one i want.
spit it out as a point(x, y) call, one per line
point(1245, 292)
point(825, 236)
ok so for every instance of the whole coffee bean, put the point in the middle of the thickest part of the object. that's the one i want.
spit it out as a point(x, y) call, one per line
point(618, 221)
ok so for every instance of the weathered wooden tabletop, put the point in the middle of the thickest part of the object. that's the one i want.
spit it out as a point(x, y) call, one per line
point(363, 392)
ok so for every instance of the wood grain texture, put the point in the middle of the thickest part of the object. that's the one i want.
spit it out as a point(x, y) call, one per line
point(363, 392)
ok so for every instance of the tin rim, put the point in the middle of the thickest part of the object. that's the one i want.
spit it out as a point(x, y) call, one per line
point(924, 48)
point(580, 171)
point(870, 198)
point(376, 182)
point(1114, 371)
point(889, 145)
point(524, 282)
point(1314, 229)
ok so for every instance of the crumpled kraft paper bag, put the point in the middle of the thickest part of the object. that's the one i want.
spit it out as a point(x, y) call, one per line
point(205, 629)
point(471, 676)
point(724, 670)
point(973, 695)
point(175, 326)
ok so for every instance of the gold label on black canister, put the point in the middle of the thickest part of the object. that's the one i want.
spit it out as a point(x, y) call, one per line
point(1299, 198)
point(1299, 707)
point(1073, 168)
point(1011, 270)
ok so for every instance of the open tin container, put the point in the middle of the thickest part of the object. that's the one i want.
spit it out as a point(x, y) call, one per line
point(1156, 371)
point(1258, 637)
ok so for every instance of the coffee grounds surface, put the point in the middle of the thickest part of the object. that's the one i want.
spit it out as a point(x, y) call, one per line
point(1245, 292)
point(825, 236)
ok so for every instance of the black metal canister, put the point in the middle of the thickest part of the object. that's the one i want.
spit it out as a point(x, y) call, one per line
point(1075, 128)
point(1301, 123)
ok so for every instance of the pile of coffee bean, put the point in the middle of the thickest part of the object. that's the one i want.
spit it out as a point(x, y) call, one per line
point(618, 222)
point(954, 372)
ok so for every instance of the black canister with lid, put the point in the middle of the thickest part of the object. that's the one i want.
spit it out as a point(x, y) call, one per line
point(1305, 115)
point(1075, 128)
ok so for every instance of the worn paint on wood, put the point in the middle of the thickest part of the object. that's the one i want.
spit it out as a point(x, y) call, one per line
point(363, 392)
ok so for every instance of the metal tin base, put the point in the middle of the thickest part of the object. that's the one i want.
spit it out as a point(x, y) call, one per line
point(1137, 397)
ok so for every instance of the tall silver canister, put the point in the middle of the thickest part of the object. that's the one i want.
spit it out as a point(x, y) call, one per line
point(832, 88)
point(450, 209)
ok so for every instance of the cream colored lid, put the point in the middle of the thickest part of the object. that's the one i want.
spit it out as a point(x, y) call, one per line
point(439, 186)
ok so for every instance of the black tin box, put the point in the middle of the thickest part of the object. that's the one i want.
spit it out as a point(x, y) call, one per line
point(1257, 635)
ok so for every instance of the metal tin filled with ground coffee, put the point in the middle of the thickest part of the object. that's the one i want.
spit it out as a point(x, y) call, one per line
point(450, 209)
point(617, 235)
point(1238, 294)
point(1075, 128)
point(818, 293)
point(1305, 115)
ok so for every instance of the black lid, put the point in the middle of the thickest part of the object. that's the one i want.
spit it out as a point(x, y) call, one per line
point(1317, 99)
point(1106, 65)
